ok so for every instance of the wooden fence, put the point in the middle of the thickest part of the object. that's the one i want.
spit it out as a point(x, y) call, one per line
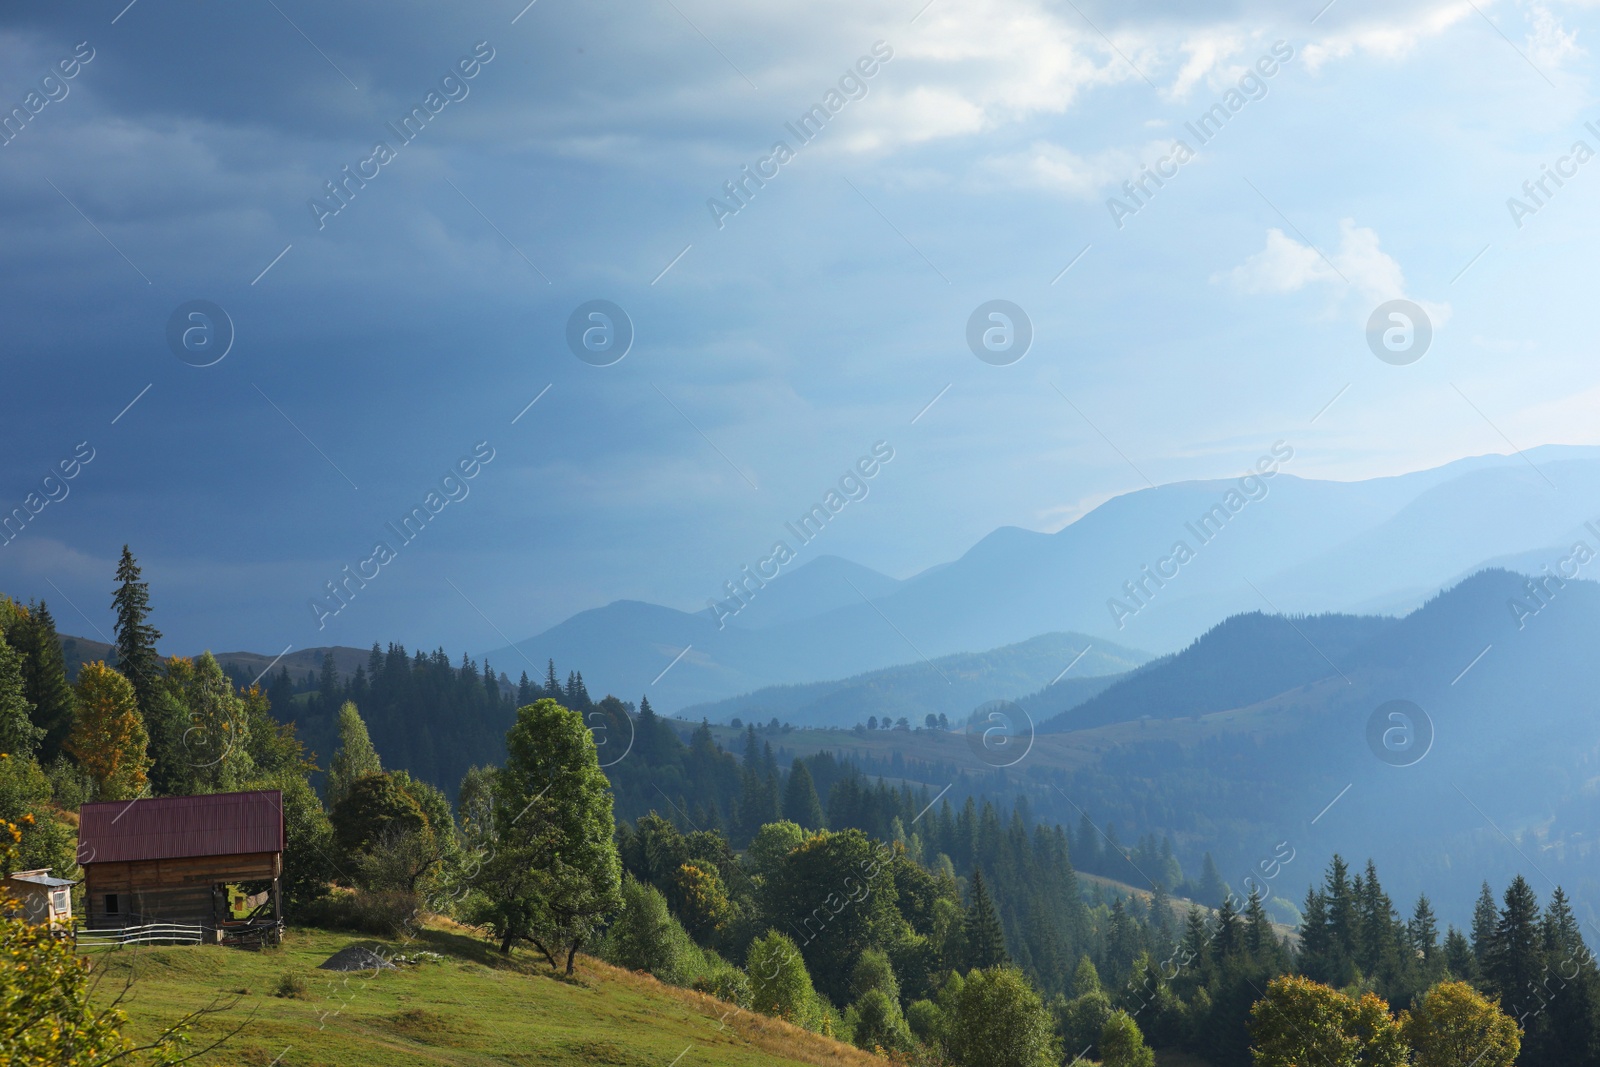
point(152, 934)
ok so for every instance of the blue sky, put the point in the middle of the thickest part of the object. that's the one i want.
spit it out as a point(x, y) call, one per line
point(373, 353)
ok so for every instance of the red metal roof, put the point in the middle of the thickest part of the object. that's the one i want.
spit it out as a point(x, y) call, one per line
point(159, 828)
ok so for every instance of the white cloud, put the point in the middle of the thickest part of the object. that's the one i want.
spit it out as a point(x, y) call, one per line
point(1388, 36)
point(1208, 54)
point(1550, 43)
point(1358, 265)
point(1049, 166)
point(1283, 266)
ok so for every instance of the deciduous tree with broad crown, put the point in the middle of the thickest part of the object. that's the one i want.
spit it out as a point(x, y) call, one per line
point(553, 873)
point(108, 739)
point(1455, 1024)
point(1301, 1022)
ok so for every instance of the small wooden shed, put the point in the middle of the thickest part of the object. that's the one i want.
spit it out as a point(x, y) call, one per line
point(45, 900)
point(174, 859)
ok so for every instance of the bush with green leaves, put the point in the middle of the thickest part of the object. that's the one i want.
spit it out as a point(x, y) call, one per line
point(875, 1022)
point(995, 1019)
point(873, 971)
point(723, 980)
point(780, 986)
point(25, 802)
point(645, 936)
point(1122, 1045)
point(926, 1022)
point(1081, 1019)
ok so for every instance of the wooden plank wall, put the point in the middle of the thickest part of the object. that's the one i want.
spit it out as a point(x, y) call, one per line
point(170, 890)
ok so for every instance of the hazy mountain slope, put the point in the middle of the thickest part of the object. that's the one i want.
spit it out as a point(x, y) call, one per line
point(953, 685)
point(77, 651)
point(1304, 545)
point(1239, 662)
point(297, 662)
point(814, 588)
point(1493, 770)
point(1445, 532)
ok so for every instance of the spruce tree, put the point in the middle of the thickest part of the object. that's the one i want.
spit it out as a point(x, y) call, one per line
point(1160, 909)
point(552, 684)
point(1569, 1031)
point(986, 943)
point(1459, 958)
point(1230, 936)
point(1423, 929)
point(1513, 962)
point(800, 802)
point(328, 684)
point(771, 799)
point(1344, 922)
point(524, 691)
point(1197, 940)
point(1257, 928)
point(137, 659)
point(18, 734)
point(1560, 932)
point(1212, 888)
point(1484, 917)
point(1315, 938)
point(44, 678)
point(1380, 926)
point(646, 741)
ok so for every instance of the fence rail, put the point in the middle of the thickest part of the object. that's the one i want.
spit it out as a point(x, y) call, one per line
point(154, 933)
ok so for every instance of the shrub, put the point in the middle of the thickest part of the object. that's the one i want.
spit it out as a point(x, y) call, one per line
point(376, 805)
point(873, 971)
point(1122, 1045)
point(290, 985)
point(779, 983)
point(46, 1017)
point(926, 1022)
point(998, 1020)
point(876, 1023)
point(724, 981)
point(703, 900)
point(646, 937)
point(1081, 1020)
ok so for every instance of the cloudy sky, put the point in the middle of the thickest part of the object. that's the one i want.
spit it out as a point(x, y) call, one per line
point(1176, 332)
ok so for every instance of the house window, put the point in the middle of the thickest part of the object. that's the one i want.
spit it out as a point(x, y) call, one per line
point(113, 906)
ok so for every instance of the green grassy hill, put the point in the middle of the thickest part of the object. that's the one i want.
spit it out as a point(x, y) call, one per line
point(471, 1007)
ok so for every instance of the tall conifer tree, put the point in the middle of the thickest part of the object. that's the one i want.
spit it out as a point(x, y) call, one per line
point(137, 659)
point(986, 942)
point(44, 677)
point(800, 802)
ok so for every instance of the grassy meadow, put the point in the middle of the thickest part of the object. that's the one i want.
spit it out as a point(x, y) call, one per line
point(470, 1007)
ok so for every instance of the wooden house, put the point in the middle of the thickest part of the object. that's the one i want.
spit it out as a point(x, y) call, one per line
point(44, 899)
point(179, 859)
